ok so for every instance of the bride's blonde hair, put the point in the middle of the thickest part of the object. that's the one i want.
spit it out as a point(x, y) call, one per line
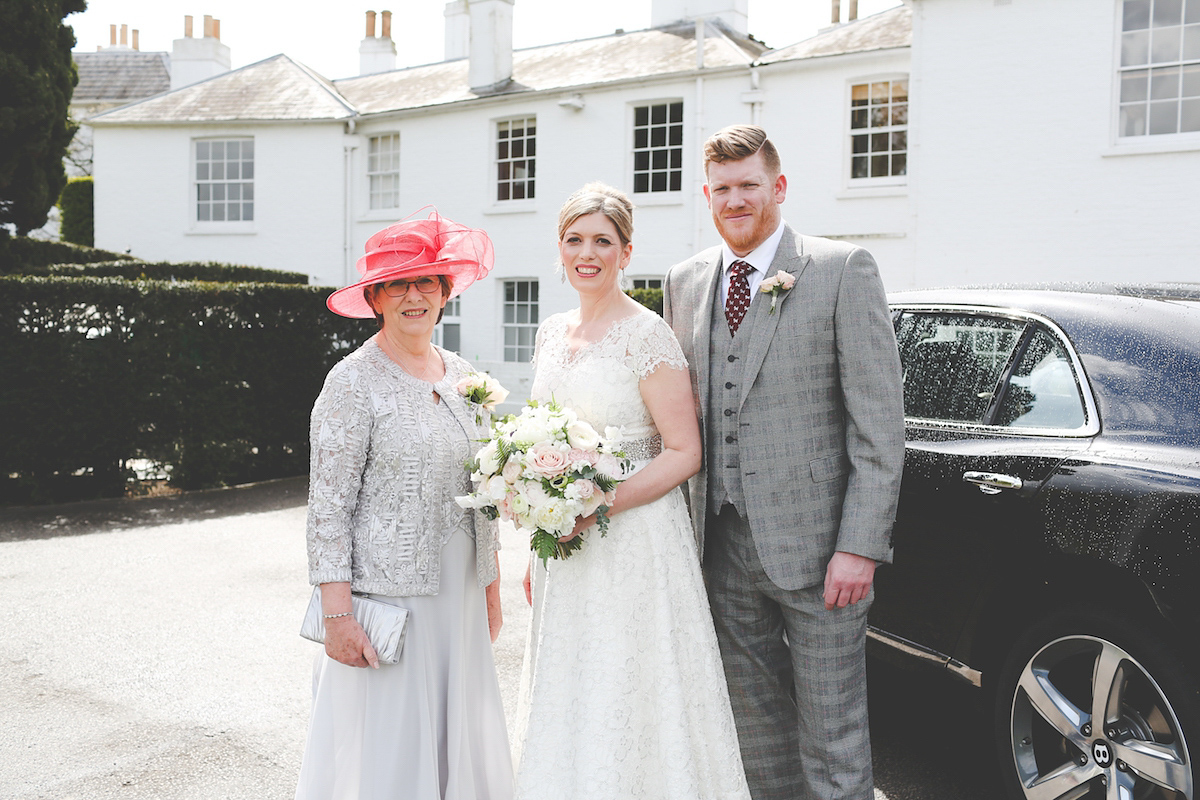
point(597, 197)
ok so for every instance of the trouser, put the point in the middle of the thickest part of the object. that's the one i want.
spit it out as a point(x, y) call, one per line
point(800, 704)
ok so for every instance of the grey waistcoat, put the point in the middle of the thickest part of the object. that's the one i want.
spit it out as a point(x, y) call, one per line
point(724, 461)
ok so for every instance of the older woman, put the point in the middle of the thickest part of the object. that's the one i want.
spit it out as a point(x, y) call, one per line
point(390, 434)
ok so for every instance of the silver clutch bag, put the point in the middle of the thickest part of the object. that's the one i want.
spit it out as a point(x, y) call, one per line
point(384, 624)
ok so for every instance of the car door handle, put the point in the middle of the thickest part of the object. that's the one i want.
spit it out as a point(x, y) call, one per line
point(992, 482)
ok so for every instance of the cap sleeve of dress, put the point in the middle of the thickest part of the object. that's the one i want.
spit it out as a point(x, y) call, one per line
point(653, 344)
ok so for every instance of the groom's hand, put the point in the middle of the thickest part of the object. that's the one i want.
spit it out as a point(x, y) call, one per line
point(847, 579)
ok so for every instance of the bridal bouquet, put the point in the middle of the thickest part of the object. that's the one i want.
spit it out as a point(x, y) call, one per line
point(543, 468)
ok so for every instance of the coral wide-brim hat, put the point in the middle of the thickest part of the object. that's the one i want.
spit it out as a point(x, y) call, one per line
point(415, 247)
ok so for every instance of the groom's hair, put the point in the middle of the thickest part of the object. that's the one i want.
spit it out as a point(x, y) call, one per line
point(738, 142)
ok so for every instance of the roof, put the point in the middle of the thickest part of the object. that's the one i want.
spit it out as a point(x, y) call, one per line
point(281, 89)
point(276, 88)
point(120, 76)
point(585, 62)
point(882, 31)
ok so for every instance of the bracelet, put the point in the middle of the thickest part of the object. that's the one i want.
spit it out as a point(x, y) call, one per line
point(335, 616)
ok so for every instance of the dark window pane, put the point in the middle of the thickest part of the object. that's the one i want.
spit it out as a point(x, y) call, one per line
point(858, 118)
point(529, 189)
point(641, 161)
point(641, 115)
point(879, 166)
point(641, 138)
point(900, 114)
point(676, 181)
point(518, 148)
point(676, 135)
point(518, 191)
point(858, 167)
point(531, 147)
point(858, 144)
point(659, 159)
point(859, 95)
point(658, 182)
point(900, 164)
point(676, 159)
point(658, 137)
point(641, 182)
point(879, 142)
point(900, 140)
point(658, 115)
point(676, 112)
point(879, 117)
point(502, 150)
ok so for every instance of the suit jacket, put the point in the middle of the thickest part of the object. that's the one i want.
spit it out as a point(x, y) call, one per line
point(821, 445)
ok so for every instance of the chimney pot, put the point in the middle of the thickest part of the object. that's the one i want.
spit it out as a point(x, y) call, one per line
point(217, 29)
point(112, 35)
point(837, 12)
point(853, 11)
point(187, 26)
point(370, 25)
point(208, 26)
point(135, 39)
point(387, 25)
point(124, 35)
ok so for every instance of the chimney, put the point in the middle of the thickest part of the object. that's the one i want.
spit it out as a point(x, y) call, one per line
point(124, 35)
point(377, 54)
point(112, 35)
point(836, 17)
point(853, 11)
point(458, 30)
point(135, 39)
point(733, 13)
point(491, 48)
point(194, 60)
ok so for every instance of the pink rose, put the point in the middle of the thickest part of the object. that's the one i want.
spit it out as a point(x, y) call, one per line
point(786, 279)
point(584, 488)
point(608, 464)
point(577, 456)
point(511, 471)
point(546, 460)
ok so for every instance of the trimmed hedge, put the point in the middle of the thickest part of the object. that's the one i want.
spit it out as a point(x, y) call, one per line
point(214, 380)
point(22, 255)
point(185, 271)
point(78, 212)
point(650, 298)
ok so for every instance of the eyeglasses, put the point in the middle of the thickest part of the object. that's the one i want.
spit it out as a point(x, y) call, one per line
point(399, 288)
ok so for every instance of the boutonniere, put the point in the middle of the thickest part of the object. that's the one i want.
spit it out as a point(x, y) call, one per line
point(483, 392)
point(776, 285)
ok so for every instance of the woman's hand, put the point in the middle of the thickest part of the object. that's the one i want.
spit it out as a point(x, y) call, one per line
point(495, 615)
point(581, 525)
point(347, 643)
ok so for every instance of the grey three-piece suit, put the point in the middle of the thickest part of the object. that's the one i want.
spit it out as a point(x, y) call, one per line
point(803, 423)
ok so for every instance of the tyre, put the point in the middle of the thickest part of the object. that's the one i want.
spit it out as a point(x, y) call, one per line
point(1094, 707)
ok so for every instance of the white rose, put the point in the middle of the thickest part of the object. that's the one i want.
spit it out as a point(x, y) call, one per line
point(582, 436)
point(533, 493)
point(519, 505)
point(553, 517)
point(489, 458)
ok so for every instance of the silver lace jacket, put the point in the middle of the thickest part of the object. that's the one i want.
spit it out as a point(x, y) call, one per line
point(385, 467)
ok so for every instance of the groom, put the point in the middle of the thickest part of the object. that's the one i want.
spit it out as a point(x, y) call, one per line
point(799, 395)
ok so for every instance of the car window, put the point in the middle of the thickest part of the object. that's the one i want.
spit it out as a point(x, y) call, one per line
point(952, 363)
point(1043, 391)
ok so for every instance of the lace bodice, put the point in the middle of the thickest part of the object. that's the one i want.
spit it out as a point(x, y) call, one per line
point(600, 381)
point(386, 464)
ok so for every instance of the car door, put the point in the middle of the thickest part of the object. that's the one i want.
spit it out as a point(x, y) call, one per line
point(992, 405)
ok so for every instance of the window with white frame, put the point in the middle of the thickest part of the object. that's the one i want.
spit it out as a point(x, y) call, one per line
point(658, 147)
point(647, 283)
point(224, 180)
point(520, 319)
point(383, 170)
point(448, 333)
point(1160, 67)
point(879, 130)
point(516, 158)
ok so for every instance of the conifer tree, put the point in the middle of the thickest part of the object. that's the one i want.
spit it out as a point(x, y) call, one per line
point(37, 77)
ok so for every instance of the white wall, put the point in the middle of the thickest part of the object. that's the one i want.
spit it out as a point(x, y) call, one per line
point(1017, 175)
point(145, 205)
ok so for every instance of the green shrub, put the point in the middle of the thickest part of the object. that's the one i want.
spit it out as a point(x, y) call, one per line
point(22, 255)
point(186, 271)
point(650, 298)
point(77, 208)
point(213, 380)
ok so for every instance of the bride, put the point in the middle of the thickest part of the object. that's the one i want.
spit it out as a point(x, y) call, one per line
point(622, 691)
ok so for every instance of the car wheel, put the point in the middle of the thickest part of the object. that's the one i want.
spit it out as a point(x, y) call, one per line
point(1088, 707)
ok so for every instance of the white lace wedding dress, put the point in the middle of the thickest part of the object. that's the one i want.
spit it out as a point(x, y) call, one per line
point(622, 693)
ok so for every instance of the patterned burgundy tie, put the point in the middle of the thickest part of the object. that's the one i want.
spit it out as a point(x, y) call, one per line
point(738, 299)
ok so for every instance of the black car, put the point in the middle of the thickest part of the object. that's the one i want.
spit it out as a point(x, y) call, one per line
point(1047, 543)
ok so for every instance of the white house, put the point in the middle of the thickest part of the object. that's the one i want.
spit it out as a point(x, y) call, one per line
point(276, 166)
point(1039, 146)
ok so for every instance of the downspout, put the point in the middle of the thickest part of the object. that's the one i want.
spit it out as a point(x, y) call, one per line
point(348, 203)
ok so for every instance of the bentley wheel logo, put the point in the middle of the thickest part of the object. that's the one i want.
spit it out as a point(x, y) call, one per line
point(1102, 753)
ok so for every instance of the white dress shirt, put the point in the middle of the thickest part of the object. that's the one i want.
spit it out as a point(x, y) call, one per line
point(760, 258)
